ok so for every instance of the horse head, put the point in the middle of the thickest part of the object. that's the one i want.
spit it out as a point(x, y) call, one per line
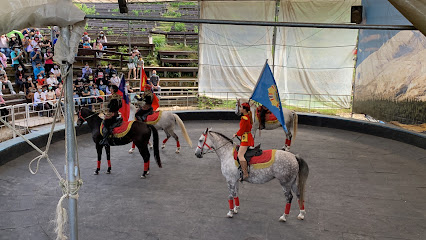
point(237, 107)
point(204, 144)
point(83, 114)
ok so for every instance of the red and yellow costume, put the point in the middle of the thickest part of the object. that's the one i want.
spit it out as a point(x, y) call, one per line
point(245, 131)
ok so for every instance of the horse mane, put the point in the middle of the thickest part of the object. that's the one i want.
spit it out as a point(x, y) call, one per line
point(220, 134)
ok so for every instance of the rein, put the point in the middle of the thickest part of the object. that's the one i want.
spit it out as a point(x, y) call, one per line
point(84, 119)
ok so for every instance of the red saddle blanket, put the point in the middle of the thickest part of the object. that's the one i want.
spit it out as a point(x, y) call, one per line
point(120, 131)
point(154, 118)
point(269, 117)
point(258, 162)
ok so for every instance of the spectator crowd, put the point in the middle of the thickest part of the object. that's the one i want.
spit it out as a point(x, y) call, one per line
point(42, 83)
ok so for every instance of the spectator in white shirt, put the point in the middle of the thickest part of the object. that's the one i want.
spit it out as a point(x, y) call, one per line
point(115, 80)
point(52, 81)
point(40, 101)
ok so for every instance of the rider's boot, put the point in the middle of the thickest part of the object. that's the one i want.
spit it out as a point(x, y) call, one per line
point(244, 169)
point(105, 132)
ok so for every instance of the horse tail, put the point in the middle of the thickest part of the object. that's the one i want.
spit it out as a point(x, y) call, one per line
point(303, 176)
point(295, 120)
point(182, 127)
point(156, 145)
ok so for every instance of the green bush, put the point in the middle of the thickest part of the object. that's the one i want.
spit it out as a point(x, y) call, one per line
point(177, 4)
point(123, 49)
point(115, 10)
point(196, 29)
point(172, 14)
point(159, 40)
point(147, 11)
point(151, 60)
point(135, 12)
point(407, 111)
point(180, 27)
point(85, 9)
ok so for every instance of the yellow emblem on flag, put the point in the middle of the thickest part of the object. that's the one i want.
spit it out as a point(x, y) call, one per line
point(273, 96)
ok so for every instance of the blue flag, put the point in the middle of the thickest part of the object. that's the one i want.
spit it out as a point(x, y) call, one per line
point(266, 93)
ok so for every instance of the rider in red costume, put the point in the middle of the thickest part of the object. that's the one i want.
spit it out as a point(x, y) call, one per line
point(246, 136)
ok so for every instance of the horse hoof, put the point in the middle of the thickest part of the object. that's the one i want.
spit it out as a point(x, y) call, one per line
point(108, 172)
point(230, 214)
point(143, 176)
point(147, 173)
point(163, 146)
point(131, 150)
point(96, 173)
point(236, 208)
point(301, 215)
point(282, 219)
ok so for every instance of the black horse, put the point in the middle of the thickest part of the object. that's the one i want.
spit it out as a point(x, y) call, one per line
point(139, 133)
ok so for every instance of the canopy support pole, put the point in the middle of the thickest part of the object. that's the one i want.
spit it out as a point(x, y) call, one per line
point(70, 144)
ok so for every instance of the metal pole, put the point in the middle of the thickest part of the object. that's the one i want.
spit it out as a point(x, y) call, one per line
point(354, 77)
point(13, 120)
point(69, 142)
point(274, 36)
point(256, 23)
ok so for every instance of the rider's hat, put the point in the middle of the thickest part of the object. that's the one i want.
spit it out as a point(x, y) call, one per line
point(245, 105)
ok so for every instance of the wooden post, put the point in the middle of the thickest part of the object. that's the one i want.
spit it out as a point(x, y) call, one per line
point(96, 60)
point(121, 61)
point(150, 41)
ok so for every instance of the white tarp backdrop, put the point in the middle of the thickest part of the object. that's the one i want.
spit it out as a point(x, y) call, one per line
point(19, 14)
point(316, 61)
point(232, 57)
point(307, 60)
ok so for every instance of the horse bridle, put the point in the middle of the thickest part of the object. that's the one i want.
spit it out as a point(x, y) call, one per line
point(210, 148)
point(84, 119)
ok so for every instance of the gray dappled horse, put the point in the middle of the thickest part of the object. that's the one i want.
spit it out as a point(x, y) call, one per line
point(290, 170)
point(290, 118)
point(167, 123)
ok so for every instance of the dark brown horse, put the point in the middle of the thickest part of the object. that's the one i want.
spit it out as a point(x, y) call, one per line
point(139, 133)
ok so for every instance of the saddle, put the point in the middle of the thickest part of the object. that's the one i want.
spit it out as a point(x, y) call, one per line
point(251, 152)
point(119, 128)
point(269, 116)
point(154, 117)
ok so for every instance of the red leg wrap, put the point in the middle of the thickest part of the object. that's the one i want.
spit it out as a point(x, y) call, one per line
point(301, 206)
point(177, 144)
point(99, 164)
point(287, 142)
point(109, 163)
point(287, 208)
point(231, 204)
point(165, 140)
point(146, 166)
point(237, 201)
point(133, 145)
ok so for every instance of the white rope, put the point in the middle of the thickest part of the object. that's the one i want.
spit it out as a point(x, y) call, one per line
point(69, 190)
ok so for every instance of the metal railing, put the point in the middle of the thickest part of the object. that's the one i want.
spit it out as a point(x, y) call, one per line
point(27, 115)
